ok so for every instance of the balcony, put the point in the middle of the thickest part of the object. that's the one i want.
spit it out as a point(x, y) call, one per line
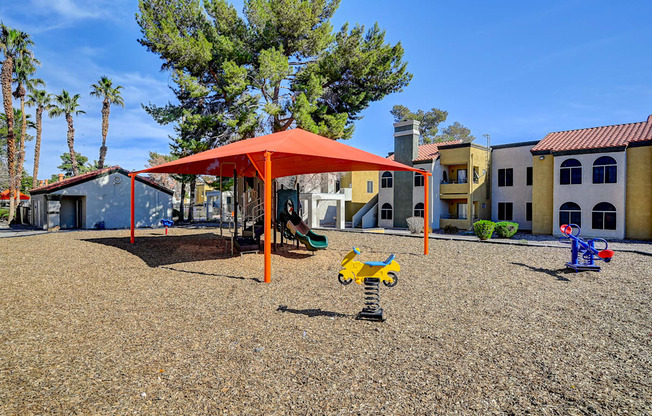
point(453, 188)
point(455, 221)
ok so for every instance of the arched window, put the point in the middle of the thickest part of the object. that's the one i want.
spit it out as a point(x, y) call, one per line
point(386, 180)
point(570, 213)
point(418, 179)
point(604, 216)
point(605, 170)
point(386, 212)
point(570, 172)
point(418, 210)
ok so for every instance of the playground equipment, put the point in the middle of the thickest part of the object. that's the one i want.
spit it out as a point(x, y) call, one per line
point(585, 248)
point(371, 274)
point(291, 224)
point(166, 224)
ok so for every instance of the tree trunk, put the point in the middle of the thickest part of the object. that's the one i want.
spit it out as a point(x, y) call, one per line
point(6, 79)
point(183, 197)
point(37, 145)
point(105, 129)
point(21, 151)
point(193, 183)
point(71, 145)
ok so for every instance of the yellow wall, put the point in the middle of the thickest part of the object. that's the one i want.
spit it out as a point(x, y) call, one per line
point(200, 192)
point(638, 215)
point(542, 190)
point(479, 161)
point(455, 156)
point(357, 181)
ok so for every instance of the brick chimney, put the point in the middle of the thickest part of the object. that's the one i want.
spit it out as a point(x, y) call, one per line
point(46, 182)
point(406, 149)
point(40, 182)
point(60, 177)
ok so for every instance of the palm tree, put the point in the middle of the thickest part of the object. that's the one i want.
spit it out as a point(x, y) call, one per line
point(13, 44)
point(66, 105)
point(24, 67)
point(41, 99)
point(111, 95)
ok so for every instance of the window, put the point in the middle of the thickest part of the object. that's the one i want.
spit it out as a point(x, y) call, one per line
point(604, 216)
point(505, 211)
point(444, 178)
point(418, 210)
point(386, 180)
point(528, 211)
point(370, 187)
point(386, 212)
point(605, 170)
point(506, 177)
point(418, 179)
point(570, 213)
point(528, 176)
point(570, 172)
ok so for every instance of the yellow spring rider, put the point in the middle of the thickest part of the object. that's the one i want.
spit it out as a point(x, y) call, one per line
point(371, 273)
point(356, 270)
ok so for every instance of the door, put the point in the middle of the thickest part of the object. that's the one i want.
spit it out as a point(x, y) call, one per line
point(461, 176)
point(461, 211)
point(71, 212)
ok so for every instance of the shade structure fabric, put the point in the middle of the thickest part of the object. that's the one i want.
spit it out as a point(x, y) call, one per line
point(293, 152)
point(4, 195)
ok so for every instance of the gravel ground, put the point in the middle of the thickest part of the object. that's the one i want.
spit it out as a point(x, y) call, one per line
point(90, 324)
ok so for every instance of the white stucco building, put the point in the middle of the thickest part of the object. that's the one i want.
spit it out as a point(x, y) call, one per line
point(100, 199)
point(511, 183)
point(589, 190)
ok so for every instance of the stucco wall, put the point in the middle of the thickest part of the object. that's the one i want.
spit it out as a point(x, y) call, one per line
point(638, 223)
point(542, 190)
point(385, 196)
point(108, 199)
point(519, 159)
point(434, 207)
point(357, 181)
point(587, 194)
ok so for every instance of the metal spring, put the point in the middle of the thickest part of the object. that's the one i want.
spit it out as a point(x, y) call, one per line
point(372, 294)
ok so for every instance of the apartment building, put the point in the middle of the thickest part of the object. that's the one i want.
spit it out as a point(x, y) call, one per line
point(512, 183)
point(458, 186)
point(598, 178)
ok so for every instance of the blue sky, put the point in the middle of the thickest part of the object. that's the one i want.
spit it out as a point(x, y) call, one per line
point(513, 69)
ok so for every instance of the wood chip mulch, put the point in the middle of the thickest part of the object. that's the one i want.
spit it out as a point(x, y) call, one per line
point(90, 324)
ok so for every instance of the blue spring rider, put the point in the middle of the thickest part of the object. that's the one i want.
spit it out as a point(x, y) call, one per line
point(166, 224)
point(584, 248)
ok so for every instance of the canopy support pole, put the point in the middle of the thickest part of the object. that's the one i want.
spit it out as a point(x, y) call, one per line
point(268, 217)
point(426, 214)
point(133, 216)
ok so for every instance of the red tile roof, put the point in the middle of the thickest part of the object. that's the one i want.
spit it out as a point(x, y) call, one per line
point(597, 137)
point(92, 175)
point(429, 151)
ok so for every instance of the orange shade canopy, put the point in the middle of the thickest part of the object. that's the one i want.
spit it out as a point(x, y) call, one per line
point(286, 153)
point(5, 195)
point(293, 152)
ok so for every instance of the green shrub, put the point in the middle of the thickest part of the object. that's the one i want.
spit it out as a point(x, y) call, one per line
point(484, 229)
point(506, 229)
point(4, 213)
point(451, 229)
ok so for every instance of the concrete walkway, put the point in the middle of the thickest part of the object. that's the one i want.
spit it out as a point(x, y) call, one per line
point(18, 230)
point(520, 239)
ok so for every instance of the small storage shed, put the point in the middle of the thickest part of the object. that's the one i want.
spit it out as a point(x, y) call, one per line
point(99, 199)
